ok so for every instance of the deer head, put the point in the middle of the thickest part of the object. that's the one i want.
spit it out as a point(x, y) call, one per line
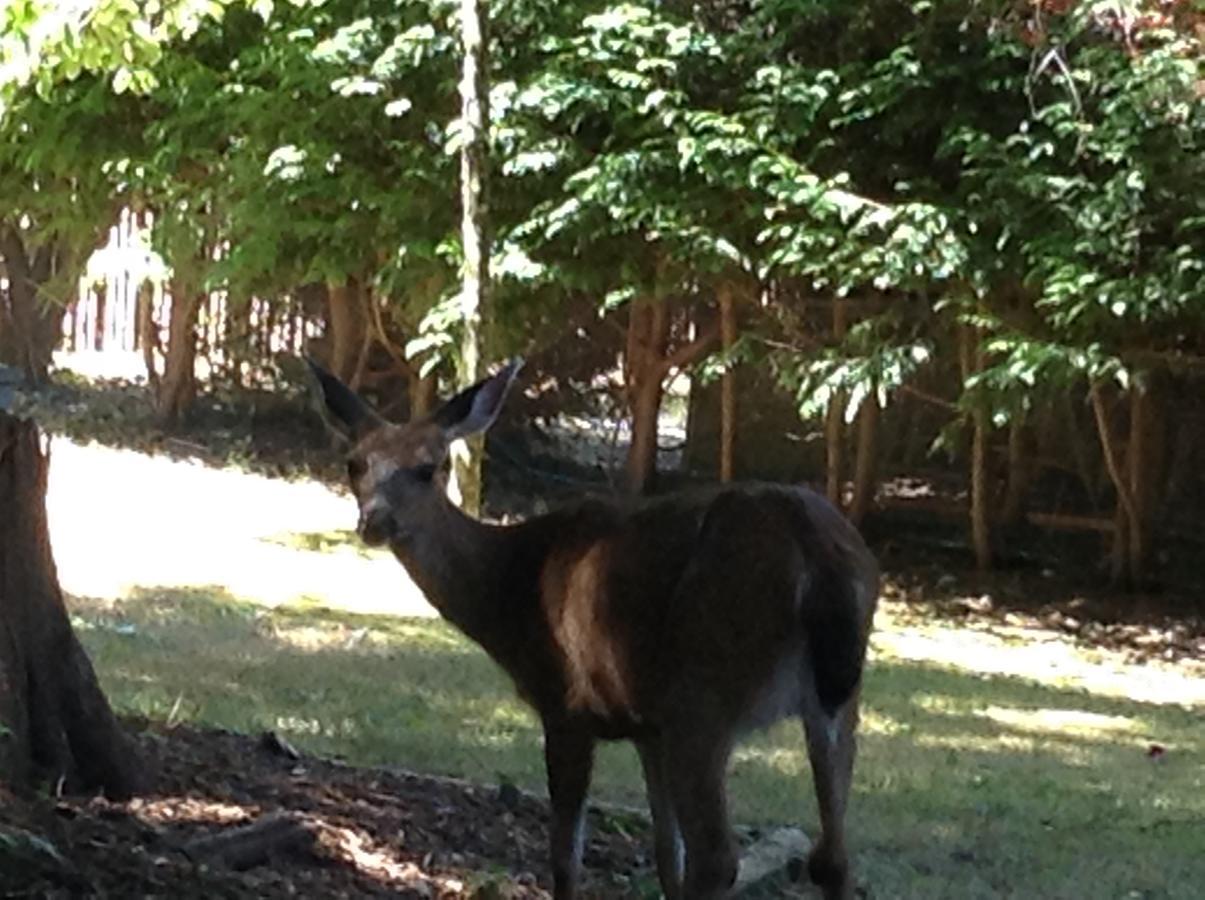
point(396, 470)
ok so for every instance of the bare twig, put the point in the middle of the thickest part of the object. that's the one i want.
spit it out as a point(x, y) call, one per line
point(1106, 442)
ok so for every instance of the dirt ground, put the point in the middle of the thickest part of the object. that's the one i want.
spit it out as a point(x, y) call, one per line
point(375, 833)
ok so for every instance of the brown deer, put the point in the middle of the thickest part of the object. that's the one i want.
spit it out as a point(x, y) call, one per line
point(678, 624)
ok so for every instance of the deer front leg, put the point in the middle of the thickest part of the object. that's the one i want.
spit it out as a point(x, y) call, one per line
point(569, 758)
point(666, 834)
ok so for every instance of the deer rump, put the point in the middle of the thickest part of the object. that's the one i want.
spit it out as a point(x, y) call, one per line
point(748, 603)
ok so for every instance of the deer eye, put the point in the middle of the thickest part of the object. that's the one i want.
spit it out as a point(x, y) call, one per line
point(356, 467)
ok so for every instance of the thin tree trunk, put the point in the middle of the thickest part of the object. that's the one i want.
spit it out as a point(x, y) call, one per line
point(981, 534)
point(727, 384)
point(1125, 511)
point(177, 387)
point(148, 332)
point(1018, 472)
point(55, 725)
point(834, 420)
point(102, 296)
point(465, 485)
point(422, 390)
point(865, 458)
point(648, 339)
point(648, 361)
point(1145, 458)
point(348, 326)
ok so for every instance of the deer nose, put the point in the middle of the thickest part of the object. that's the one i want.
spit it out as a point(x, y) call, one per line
point(376, 525)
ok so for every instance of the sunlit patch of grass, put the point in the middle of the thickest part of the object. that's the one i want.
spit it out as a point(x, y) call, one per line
point(1062, 721)
point(969, 783)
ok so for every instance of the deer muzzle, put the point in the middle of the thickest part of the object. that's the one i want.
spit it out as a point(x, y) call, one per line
point(376, 525)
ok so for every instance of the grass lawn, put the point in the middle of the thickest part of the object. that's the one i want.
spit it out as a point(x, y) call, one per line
point(974, 780)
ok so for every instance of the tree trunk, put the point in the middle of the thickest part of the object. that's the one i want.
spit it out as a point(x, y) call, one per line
point(644, 371)
point(1145, 458)
point(727, 384)
point(981, 534)
point(423, 392)
point(98, 327)
point(1124, 514)
point(1019, 470)
point(30, 328)
point(57, 727)
point(465, 484)
point(177, 387)
point(834, 420)
point(648, 361)
point(864, 462)
point(148, 332)
point(345, 314)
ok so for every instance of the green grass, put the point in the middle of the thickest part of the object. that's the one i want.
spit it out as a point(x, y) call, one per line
point(967, 785)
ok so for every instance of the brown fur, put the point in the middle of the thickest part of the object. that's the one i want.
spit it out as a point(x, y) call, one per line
point(677, 623)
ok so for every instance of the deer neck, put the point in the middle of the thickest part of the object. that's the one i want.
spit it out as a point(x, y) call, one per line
point(464, 567)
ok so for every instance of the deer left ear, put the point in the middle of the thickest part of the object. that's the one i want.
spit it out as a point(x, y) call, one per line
point(474, 409)
point(349, 415)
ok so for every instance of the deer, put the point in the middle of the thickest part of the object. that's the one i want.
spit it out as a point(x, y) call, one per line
point(679, 623)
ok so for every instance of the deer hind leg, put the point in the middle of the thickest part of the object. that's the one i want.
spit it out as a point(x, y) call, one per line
point(569, 758)
point(695, 763)
point(831, 748)
point(667, 836)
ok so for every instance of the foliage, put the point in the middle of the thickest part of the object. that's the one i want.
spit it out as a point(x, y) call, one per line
point(1030, 170)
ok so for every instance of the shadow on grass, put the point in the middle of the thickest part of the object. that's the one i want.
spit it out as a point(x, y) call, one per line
point(999, 786)
point(275, 433)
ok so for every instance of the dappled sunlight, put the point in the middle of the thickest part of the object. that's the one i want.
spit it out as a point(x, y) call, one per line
point(312, 727)
point(877, 722)
point(358, 849)
point(332, 843)
point(190, 809)
point(1036, 655)
point(784, 760)
point(982, 743)
point(1062, 721)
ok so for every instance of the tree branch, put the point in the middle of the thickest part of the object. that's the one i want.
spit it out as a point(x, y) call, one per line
point(692, 352)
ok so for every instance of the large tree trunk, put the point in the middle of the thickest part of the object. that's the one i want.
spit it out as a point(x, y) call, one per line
point(55, 725)
point(178, 386)
point(465, 483)
point(30, 327)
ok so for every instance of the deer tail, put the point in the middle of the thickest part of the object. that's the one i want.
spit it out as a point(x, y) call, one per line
point(830, 609)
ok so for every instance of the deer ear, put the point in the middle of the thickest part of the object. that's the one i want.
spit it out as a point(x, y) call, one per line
point(344, 410)
point(474, 409)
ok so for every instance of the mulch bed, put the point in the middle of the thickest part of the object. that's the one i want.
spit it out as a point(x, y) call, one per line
point(329, 830)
